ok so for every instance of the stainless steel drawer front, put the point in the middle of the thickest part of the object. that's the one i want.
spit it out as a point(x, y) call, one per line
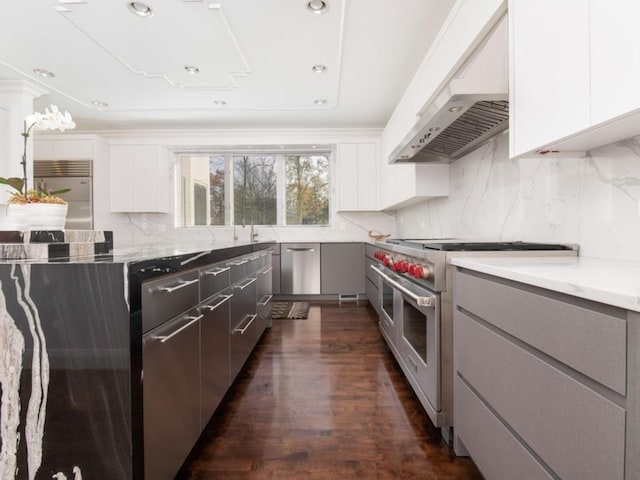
point(214, 279)
point(171, 394)
point(168, 297)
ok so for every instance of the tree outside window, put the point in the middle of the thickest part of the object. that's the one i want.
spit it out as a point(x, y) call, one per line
point(258, 188)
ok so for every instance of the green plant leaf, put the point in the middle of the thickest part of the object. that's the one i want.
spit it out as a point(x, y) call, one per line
point(13, 182)
point(59, 192)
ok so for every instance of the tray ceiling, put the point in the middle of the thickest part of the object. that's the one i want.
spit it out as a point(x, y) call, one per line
point(254, 60)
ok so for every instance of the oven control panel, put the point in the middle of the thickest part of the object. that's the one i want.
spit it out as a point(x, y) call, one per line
point(413, 267)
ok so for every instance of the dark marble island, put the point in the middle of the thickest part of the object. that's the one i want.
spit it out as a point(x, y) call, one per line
point(71, 360)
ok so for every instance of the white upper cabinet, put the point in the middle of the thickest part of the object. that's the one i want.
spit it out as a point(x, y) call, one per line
point(549, 81)
point(139, 178)
point(357, 167)
point(63, 149)
point(615, 58)
point(575, 71)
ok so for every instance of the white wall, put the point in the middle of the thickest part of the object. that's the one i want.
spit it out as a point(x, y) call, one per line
point(145, 229)
point(592, 201)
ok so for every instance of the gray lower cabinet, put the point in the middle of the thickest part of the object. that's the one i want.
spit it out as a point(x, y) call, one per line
point(341, 268)
point(199, 329)
point(242, 321)
point(171, 394)
point(546, 385)
point(214, 352)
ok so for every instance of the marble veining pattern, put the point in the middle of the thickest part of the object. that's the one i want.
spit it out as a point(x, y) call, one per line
point(37, 407)
point(592, 201)
point(11, 352)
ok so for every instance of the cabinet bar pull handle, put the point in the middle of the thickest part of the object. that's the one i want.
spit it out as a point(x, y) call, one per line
point(217, 272)
point(181, 284)
point(242, 287)
point(264, 302)
point(242, 330)
point(213, 307)
point(265, 271)
point(169, 337)
point(238, 262)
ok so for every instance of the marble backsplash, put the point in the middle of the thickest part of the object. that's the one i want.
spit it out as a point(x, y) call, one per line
point(592, 201)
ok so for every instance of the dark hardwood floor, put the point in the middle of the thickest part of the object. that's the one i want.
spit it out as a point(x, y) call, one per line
point(322, 398)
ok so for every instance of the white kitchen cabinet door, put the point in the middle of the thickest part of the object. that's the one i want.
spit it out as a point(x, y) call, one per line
point(549, 81)
point(139, 176)
point(357, 176)
point(615, 58)
point(63, 149)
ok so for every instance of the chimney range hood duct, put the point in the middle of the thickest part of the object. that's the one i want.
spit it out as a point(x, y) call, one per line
point(470, 109)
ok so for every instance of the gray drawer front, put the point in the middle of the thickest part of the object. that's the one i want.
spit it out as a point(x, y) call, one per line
point(483, 435)
point(578, 433)
point(591, 342)
point(213, 279)
point(368, 271)
point(167, 297)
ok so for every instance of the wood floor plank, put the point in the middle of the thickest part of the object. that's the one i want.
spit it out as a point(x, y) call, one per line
point(323, 398)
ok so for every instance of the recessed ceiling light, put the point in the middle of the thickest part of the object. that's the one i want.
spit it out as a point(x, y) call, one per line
point(319, 68)
point(320, 101)
point(99, 105)
point(220, 103)
point(43, 73)
point(61, 8)
point(214, 6)
point(140, 8)
point(191, 69)
point(317, 7)
point(455, 109)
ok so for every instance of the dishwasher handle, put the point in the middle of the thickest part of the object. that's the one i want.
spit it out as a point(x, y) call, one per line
point(301, 249)
point(166, 338)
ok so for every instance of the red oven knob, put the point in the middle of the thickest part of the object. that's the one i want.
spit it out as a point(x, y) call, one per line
point(397, 266)
point(386, 261)
point(404, 266)
point(411, 269)
point(424, 272)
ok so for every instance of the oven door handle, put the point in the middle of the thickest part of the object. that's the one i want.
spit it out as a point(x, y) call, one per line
point(421, 301)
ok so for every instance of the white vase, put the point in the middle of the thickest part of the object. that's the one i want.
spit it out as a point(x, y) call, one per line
point(38, 216)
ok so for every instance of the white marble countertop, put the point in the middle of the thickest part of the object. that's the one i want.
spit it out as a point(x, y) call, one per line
point(613, 282)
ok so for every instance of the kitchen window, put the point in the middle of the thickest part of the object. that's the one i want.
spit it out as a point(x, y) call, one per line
point(251, 188)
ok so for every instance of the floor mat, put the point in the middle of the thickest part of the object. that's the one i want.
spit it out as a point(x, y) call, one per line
point(289, 310)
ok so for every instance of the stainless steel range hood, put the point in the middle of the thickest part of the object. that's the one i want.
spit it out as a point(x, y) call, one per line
point(468, 111)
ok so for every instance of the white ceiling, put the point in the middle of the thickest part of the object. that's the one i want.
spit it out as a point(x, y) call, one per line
point(255, 55)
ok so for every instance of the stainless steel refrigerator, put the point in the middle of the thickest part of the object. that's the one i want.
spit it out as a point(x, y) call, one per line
point(77, 175)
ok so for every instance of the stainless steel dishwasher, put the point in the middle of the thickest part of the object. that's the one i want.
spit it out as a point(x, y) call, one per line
point(300, 268)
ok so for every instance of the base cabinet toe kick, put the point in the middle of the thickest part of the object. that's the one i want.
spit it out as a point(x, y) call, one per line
point(546, 385)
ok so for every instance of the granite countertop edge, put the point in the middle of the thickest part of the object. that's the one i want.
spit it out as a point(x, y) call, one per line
point(612, 282)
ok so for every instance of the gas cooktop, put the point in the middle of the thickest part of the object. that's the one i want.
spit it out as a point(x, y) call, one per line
point(459, 245)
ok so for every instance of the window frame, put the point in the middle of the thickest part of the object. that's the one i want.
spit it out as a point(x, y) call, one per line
point(281, 205)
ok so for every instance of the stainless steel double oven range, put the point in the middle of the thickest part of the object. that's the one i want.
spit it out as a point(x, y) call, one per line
point(414, 288)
